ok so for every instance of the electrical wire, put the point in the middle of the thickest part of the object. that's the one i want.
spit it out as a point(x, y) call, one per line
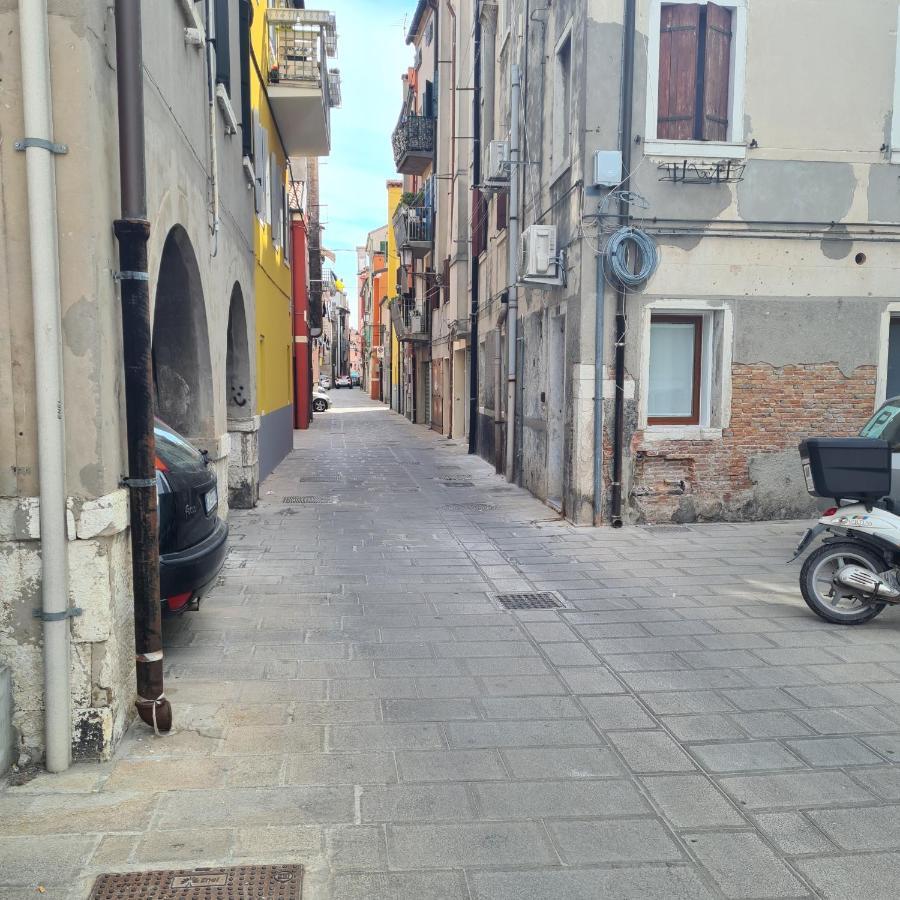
point(617, 256)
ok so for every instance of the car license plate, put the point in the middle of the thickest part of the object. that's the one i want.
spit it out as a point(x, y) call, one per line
point(807, 474)
point(211, 500)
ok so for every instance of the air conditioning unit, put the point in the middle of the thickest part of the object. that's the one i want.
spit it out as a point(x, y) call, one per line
point(416, 323)
point(498, 163)
point(540, 257)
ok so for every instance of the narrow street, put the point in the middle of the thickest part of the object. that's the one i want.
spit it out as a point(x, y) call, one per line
point(353, 698)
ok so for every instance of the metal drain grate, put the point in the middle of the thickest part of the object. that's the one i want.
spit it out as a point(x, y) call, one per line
point(457, 483)
point(469, 507)
point(530, 600)
point(314, 499)
point(237, 883)
point(320, 479)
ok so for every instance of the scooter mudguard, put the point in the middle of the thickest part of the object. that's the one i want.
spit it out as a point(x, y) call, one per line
point(810, 535)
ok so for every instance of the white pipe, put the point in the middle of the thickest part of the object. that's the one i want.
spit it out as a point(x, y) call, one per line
point(45, 296)
point(512, 273)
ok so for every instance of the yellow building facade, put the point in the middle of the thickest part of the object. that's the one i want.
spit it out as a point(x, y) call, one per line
point(394, 195)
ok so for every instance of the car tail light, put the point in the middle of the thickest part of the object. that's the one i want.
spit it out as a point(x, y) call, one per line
point(830, 511)
point(177, 601)
point(161, 466)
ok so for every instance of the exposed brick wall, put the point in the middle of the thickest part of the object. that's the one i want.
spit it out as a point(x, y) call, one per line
point(772, 410)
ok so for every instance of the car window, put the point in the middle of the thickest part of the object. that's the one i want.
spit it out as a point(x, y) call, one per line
point(173, 449)
point(885, 424)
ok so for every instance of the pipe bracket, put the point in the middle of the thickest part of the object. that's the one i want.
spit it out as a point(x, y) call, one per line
point(69, 613)
point(131, 276)
point(25, 143)
point(138, 482)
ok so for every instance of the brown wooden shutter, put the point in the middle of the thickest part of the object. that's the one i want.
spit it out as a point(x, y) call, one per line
point(445, 279)
point(679, 34)
point(479, 222)
point(716, 73)
point(502, 213)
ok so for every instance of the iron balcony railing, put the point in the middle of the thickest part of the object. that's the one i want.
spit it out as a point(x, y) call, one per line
point(413, 135)
point(413, 226)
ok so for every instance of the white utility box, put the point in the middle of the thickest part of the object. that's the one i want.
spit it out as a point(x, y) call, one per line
point(607, 168)
point(540, 256)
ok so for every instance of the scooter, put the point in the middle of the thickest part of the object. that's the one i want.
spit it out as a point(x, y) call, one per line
point(855, 573)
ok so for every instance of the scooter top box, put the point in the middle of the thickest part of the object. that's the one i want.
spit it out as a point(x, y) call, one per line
point(847, 468)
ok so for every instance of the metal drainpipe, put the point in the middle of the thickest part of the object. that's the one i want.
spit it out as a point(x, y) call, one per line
point(476, 179)
point(512, 272)
point(621, 292)
point(211, 49)
point(133, 231)
point(45, 295)
point(599, 321)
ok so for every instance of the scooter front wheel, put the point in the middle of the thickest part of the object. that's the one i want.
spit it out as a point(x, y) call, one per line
point(830, 600)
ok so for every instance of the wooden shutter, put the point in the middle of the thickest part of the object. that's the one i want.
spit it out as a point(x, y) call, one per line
point(679, 36)
point(502, 212)
point(445, 280)
point(223, 45)
point(479, 222)
point(716, 73)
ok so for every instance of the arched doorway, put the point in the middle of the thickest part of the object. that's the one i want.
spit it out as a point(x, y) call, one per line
point(182, 372)
point(243, 468)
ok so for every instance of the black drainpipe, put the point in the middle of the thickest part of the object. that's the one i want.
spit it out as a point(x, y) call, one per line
point(621, 292)
point(476, 180)
point(133, 231)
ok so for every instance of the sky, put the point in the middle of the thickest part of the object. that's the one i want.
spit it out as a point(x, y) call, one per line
point(372, 57)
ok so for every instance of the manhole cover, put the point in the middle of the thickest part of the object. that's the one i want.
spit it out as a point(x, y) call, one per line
point(457, 483)
point(237, 883)
point(530, 600)
point(315, 499)
point(469, 507)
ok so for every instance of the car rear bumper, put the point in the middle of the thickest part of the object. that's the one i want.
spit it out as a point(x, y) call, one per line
point(193, 569)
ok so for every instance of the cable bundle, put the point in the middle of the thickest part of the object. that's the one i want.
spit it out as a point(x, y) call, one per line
point(617, 256)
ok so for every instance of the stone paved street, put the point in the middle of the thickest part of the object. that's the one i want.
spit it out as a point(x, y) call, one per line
point(352, 697)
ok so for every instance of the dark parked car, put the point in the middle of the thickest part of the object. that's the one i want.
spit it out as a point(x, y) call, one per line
point(192, 538)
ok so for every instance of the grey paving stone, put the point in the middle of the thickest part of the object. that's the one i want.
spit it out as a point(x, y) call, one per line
point(356, 847)
point(835, 695)
point(544, 632)
point(770, 724)
point(826, 752)
point(744, 756)
point(618, 712)
point(26, 860)
point(693, 680)
point(531, 708)
point(650, 751)
point(522, 685)
point(404, 803)
point(692, 801)
point(681, 702)
point(869, 828)
point(340, 768)
point(465, 649)
point(431, 710)
point(551, 762)
point(882, 781)
point(385, 737)
point(616, 841)
point(793, 790)
point(848, 720)
point(557, 799)
point(507, 665)
point(743, 866)
point(527, 733)
point(873, 876)
point(400, 886)
point(671, 882)
point(570, 654)
point(371, 688)
point(709, 727)
point(450, 765)
point(645, 662)
point(750, 699)
point(472, 845)
point(792, 833)
point(447, 687)
point(596, 680)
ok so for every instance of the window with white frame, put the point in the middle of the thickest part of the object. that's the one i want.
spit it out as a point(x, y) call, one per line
point(562, 103)
point(686, 367)
point(697, 63)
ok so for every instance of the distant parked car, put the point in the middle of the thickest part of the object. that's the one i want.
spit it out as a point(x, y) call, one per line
point(320, 400)
point(355, 379)
point(325, 382)
point(192, 537)
point(342, 381)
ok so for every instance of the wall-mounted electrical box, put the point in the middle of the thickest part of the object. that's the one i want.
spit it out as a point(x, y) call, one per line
point(607, 168)
point(540, 256)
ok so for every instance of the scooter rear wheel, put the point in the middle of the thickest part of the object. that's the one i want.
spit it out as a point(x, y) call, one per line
point(835, 602)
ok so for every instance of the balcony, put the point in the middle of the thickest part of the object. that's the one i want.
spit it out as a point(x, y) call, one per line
point(414, 228)
point(411, 320)
point(413, 141)
point(301, 88)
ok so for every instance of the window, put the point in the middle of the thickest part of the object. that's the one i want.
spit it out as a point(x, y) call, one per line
point(676, 354)
point(562, 103)
point(479, 222)
point(244, 16)
point(694, 72)
point(222, 45)
point(502, 211)
point(697, 62)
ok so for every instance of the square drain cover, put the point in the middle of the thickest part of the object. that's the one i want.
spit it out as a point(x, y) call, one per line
point(309, 500)
point(469, 507)
point(457, 483)
point(237, 883)
point(532, 600)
